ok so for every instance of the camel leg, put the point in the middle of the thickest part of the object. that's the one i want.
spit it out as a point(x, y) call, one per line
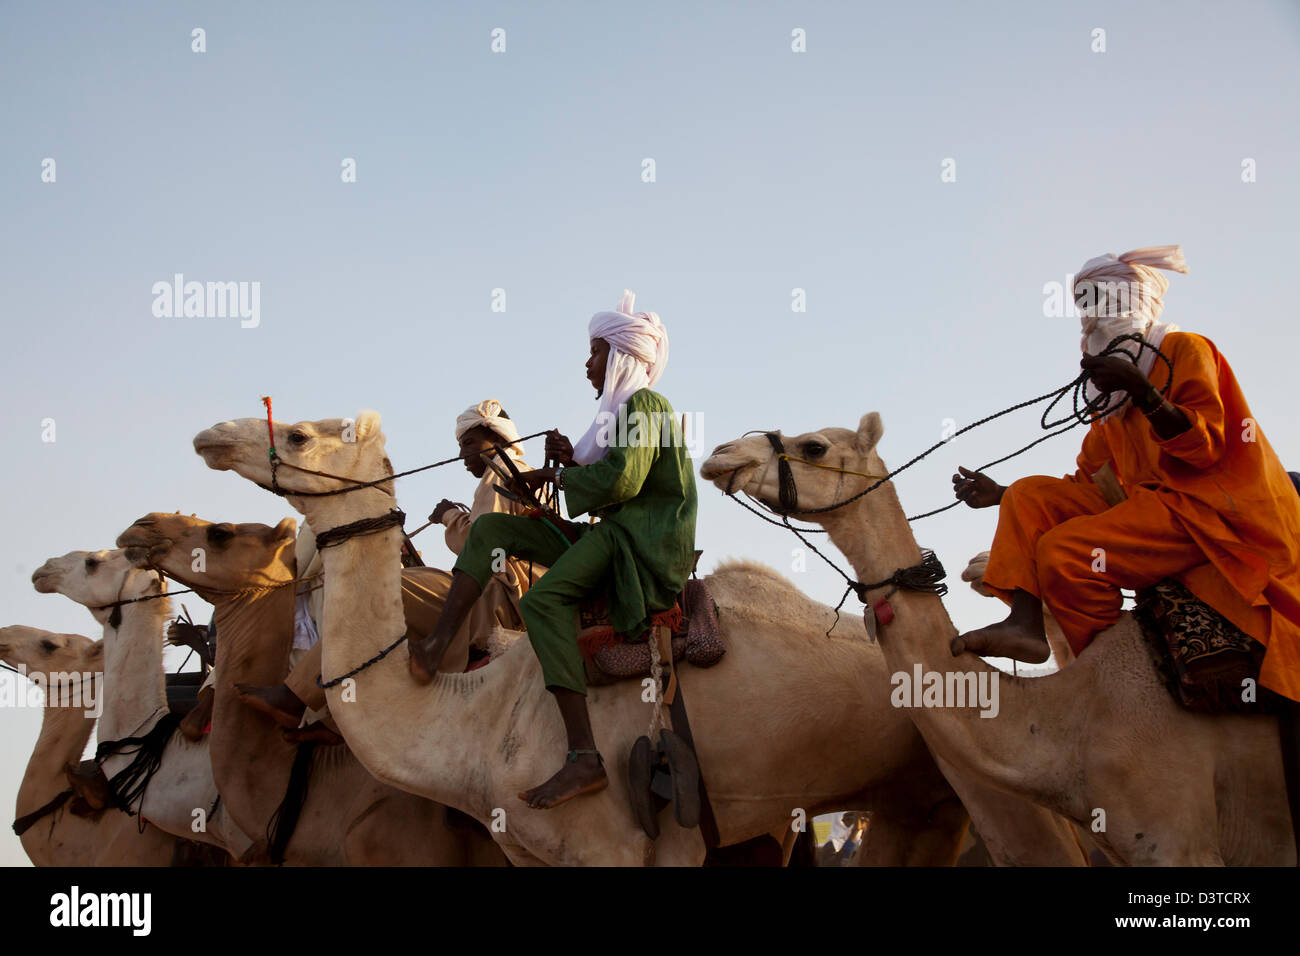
point(908, 839)
point(678, 847)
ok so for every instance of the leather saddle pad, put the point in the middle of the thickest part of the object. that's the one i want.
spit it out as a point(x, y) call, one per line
point(609, 657)
point(1203, 657)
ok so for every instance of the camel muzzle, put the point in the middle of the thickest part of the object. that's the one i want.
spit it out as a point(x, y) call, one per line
point(45, 580)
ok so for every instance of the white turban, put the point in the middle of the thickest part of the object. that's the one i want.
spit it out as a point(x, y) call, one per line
point(1127, 300)
point(638, 352)
point(488, 414)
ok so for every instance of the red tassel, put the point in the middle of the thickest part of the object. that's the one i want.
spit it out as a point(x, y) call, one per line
point(596, 640)
point(270, 430)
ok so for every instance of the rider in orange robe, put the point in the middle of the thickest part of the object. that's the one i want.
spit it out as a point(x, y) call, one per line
point(1208, 502)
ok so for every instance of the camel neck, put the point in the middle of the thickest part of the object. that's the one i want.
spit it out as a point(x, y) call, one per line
point(62, 740)
point(878, 540)
point(250, 758)
point(133, 667)
point(392, 724)
point(874, 535)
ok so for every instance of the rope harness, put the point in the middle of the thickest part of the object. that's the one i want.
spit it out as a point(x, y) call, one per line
point(332, 537)
point(927, 576)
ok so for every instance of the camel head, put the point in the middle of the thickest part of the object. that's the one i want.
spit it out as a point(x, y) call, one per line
point(44, 653)
point(348, 448)
point(750, 464)
point(97, 579)
point(212, 557)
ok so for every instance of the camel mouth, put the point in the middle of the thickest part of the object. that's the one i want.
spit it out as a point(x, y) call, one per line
point(729, 478)
point(137, 538)
point(215, 448)
point(136, 555)
point(45, 581)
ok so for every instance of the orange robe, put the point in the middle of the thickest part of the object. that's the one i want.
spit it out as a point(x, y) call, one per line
point(1212, 506)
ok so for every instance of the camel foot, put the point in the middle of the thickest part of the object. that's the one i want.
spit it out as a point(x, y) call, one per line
point(278, 702)
point(193, 724)
point(575, 778)
point(1003, 640)
point(426, 655)
point(315, 732)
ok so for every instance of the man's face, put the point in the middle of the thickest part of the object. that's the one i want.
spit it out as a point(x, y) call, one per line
point(472, 445)
point(596, 363)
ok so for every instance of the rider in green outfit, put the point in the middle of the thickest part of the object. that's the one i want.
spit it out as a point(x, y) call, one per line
point(631, 470)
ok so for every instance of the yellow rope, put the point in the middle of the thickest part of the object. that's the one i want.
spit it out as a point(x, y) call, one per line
point(845, 471)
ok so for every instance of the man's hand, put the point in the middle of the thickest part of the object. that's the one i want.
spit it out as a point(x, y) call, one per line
point(1112, 374)
point(537, 477)
point(976, 488)
point(440, 509)
point(559, 448)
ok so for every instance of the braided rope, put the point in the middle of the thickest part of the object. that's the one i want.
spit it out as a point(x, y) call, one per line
point(656, 674)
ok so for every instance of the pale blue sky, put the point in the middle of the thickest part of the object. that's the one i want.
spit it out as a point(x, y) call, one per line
point(522, 171)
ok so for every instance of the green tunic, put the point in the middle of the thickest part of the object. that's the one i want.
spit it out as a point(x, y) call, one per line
point(643, 490)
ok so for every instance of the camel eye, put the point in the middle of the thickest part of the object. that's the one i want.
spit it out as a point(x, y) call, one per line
point(297, 437)
point(48, 646)
point(92, 563)
point(814, 449)
point(219, 534)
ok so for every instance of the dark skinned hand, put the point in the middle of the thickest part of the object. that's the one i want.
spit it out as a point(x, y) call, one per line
point(440, 509)
point(976, 488)
point(537, 477)
point(559, 448)
point(1112, 374)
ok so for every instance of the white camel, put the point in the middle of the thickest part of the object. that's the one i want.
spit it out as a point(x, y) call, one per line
point(786, 725)
point(1101, 742)
point(181, 797)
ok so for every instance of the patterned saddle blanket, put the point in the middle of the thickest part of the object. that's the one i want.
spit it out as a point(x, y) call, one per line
point(1207, 662)
point(609, 656)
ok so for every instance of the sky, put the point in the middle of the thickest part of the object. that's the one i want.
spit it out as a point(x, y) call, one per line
point(525, 171)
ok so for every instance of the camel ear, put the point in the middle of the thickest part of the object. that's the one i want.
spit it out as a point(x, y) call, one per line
point(367, 424)
point(95, 652)
point(869, 431)
point(288, 528)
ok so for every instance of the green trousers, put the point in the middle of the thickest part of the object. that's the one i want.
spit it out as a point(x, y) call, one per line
point(550, 607)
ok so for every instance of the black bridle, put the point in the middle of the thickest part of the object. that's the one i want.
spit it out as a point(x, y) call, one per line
point(926, 576)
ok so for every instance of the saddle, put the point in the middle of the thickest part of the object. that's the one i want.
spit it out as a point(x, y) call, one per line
point(666, 770)
point(609, 657)
point(1204, 658)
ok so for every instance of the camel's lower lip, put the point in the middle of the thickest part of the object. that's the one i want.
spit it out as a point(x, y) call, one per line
point(43, 583)
point(729, 479)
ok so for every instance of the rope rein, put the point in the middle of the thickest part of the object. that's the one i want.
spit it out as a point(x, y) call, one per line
point(928, 575)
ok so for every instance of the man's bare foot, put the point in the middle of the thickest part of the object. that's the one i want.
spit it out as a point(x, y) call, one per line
point(1004, 639)
point(315, 732)
point(586, 774)
point(426, 655)
point(279, 703)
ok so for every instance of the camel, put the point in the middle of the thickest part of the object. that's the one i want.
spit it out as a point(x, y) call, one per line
point(1100, 742)
point(348, 818)
point(62, 838)
point(782, 725)
point(182, 797)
